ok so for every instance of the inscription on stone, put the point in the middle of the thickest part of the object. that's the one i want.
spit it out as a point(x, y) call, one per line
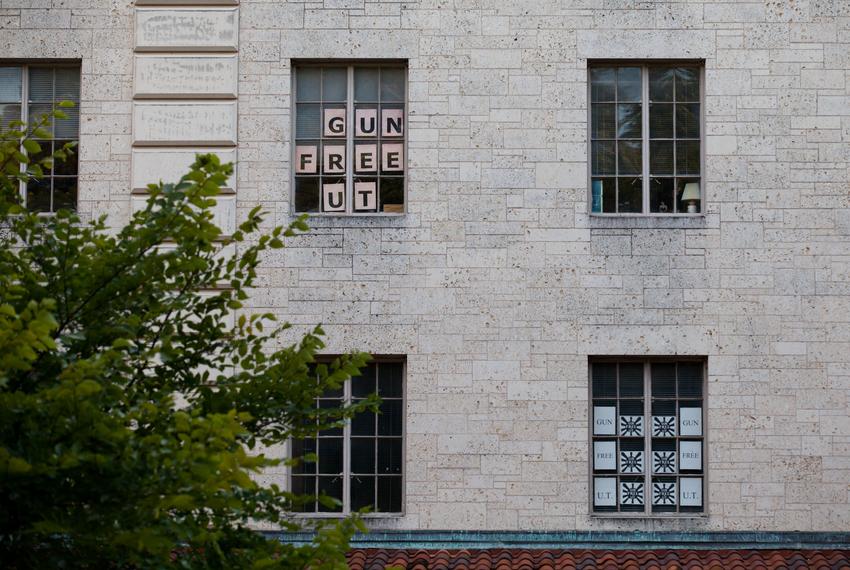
point(187, 29)
point(184, 123)
point(208, 76)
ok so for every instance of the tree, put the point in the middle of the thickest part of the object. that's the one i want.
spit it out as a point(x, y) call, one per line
point(131, 413)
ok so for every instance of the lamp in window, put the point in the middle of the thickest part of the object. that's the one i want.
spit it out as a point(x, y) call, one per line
point(690, 195)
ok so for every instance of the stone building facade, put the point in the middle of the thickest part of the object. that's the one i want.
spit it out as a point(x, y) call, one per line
point(498, 284)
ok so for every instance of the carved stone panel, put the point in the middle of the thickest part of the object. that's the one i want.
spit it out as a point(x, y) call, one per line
point(150, 165)
point(187, 29)
point(184, 123)
point(205, 76)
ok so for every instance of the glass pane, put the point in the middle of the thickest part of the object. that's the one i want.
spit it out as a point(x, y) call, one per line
point(306, 194)
point(687, 121)
point(41, 84)
point(69, 127)
point(661, 199)
point(38, 110)
point(628, 121)
point(389, 380)
point(392, 194)
point(364, 385)
point(9, 113)
point(67, 167)
point(304, 486)
point(660, 84)
point(327, 405)
point(389, 456)
point(67, 84)
point(362, 493)
point(46, 151)
point(65, 194)
point(392, 84)
point(390, 418)
point(389, 494)
point(607, 190)
point(334, 84)
point(687, 84)
point(687, 157)
point(631, 380)
point(330, 455)
point(690, 379)
point(628, 84)
point(300, 448)
point(10, 84)
point(663, 380)
point(602, 123)
point(308, 121)
point(308, 84)
point(602, 157)
point(605, 380)
point(629, 195)
point(660, 121)
point(366, 84)
point(363, 424)
point(602, 81)
point(628, 157)
point(362, 455)
point(332, 487)
point(38, 195)
point(680, 188)
point(661, 157)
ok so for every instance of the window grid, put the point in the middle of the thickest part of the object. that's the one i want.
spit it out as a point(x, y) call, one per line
point(57, 189)
point(347, 483)
point(648, 180)
point(391, 187)
point(652, 402)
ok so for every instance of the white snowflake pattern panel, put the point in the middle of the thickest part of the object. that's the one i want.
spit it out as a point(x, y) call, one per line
point(631, 426)
point(631, 493)
point(663, 426)
point(663, 461)
point(664, 493)
point(631, 462)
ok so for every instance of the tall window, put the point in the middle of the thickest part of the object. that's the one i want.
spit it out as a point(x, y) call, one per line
point(645, 132)
point(349, 151)
point(26, 93)
point(647, 435)
point(360, 464)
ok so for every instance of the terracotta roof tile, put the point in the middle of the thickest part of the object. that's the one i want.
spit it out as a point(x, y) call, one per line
point(547, 559)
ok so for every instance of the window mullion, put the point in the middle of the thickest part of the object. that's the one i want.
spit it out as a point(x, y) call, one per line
point(25, 88)
point(645, 136)
point(346, 453)
point(647, 435)
point(349, 142)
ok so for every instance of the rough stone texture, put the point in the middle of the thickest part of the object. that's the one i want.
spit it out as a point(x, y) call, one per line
point(497, 285)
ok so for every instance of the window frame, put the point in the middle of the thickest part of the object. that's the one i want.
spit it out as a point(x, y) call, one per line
point(25, 66)
point(647, 513)
point(645, 66)
point(346, 449)
point(349, 64)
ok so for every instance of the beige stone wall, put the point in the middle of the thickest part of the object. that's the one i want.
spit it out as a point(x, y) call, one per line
point(497, 285)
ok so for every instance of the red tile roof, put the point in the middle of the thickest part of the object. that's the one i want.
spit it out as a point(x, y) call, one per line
point(547, 559)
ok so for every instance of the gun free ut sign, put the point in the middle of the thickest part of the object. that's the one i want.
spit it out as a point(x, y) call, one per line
point(376, 150)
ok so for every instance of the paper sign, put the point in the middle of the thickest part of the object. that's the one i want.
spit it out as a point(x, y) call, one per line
point(333, 197)
point(604, 420)
point(690, 491)
point(305, 160)
point(690, 455)
point(690, 421)
point(366, 158)
point(631, 461)
point(392, 157)
point(604, 455)
point(605, 491)
point(366, 122)
point(664, 493)
point(365, 196)
point(334, 158)
point(392, 121)
point(334, 122)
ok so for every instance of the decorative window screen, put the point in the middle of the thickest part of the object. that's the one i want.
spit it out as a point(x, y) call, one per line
point(26, 93)
point(360, 464)
point(645, 132)
point(350, 128)
point(647, 437)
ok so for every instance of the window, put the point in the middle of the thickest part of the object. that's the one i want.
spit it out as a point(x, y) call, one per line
point(647, 435)
point(645, 138)
point(26, 93)
point(359, 464)
point(349, 151)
